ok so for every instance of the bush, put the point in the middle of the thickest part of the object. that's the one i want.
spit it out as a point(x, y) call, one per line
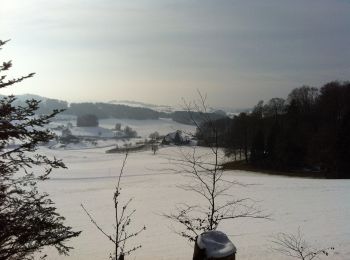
point(129, 132)
point(87, 120)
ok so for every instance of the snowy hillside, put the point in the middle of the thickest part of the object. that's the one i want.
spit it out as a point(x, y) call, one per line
point(92, 132)
point(159, 108)
point(320, 208)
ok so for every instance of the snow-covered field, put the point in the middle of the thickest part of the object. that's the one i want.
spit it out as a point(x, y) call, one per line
point(321, 208)
point(143, 127)
point(105, 135)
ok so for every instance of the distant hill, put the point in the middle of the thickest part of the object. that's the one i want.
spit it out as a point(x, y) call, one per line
point(118, 109)
point(105, 110)
point(26, 96)
point(159, 108)
point(46, 104)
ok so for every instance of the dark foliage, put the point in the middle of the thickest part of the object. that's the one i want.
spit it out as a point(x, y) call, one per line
point(28, 219)
point(104, 110)
point(87, 120)
point(129, 132)
point(308, 132)
point(184, 118)
point(177, 138)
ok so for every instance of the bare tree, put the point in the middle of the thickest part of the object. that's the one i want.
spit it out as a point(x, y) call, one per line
point(154, 141)
point(118, 126)
point(294, 245)
point(154, 148)
point(123, 220)
point(154, 136)
point(207, 175)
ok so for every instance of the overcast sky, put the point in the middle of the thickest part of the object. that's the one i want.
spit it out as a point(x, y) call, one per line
point(158, 51)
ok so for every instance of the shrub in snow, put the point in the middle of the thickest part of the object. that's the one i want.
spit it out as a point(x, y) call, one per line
point(295, 246)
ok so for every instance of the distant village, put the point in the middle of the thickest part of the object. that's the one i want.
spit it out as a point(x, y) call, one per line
point(87, 130)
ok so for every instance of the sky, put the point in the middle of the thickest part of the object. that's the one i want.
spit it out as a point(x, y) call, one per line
point(160, 51)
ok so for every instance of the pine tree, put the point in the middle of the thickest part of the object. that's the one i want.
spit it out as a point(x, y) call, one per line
point(28, 218)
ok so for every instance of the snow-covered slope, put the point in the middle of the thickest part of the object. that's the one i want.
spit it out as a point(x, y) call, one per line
point(321, 208)
point(92, 132)
point(159, 108)
point(143, 127)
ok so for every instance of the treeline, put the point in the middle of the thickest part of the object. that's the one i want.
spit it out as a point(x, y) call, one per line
point(101, 110)
point(105, 110)
point(307, 132)
point(188, 118)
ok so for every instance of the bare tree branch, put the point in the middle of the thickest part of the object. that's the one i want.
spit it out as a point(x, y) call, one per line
point(123, 220)
point(207, 180)
point(295, 246)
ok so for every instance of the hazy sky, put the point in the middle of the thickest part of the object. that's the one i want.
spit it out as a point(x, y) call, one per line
point(158, 51)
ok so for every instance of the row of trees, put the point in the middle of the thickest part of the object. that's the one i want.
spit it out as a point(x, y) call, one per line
point(309, 130)
point(87, 120)
point(104, 110)
point(184, 117)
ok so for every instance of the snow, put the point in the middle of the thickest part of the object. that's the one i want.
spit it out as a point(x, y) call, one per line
point(88, 144)
point(320, 208)
point(92, 132)
point(159, 108)
point(216, 244)
point(105, 133)
point(143, 127)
